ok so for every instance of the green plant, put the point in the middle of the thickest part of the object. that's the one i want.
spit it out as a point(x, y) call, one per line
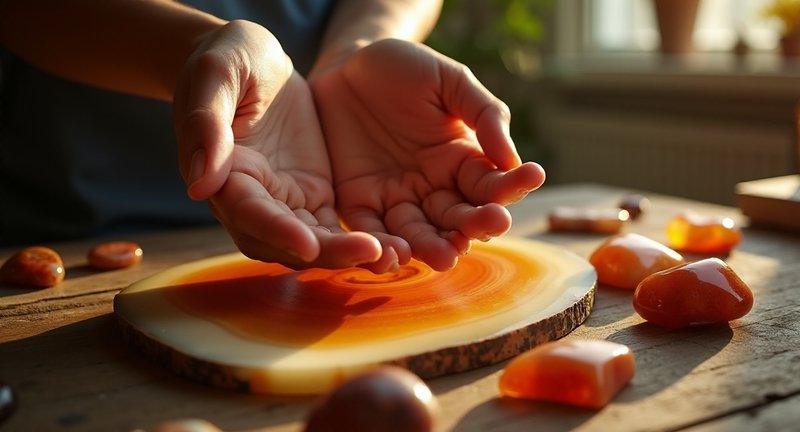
point(785, 11)
point(500, 41)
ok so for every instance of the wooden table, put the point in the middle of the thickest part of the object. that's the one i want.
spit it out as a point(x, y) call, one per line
point(61, 351)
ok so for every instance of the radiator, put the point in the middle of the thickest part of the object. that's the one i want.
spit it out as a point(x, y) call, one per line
point(673, 155)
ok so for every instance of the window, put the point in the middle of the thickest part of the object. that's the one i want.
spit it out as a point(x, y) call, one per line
point(630, 25)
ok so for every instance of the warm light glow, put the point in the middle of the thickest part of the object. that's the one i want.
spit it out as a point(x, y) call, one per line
point(423, 393)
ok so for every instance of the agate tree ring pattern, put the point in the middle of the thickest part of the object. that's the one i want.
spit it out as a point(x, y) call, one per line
point(258, 327)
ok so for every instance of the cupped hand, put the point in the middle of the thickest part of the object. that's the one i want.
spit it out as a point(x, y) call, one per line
point(420, 150)
point(250, 142)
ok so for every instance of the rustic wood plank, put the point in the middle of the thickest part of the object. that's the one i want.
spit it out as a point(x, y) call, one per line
point(62, 352)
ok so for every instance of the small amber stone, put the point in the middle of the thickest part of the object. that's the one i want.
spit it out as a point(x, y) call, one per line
point(624, 260)
point(635, 204)
point(35, 266)
point(690, 232)
point(594, 220)
point(702, 292)
point(185, 425)
point(585, 373)
point(115, 255)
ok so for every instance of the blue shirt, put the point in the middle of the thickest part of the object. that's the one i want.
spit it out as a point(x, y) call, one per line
point(79, 161)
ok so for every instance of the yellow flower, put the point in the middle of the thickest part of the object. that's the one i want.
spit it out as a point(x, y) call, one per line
point(787, 12)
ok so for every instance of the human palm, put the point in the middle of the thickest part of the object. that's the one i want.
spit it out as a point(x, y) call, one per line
point(419, 150)
point(250, 142)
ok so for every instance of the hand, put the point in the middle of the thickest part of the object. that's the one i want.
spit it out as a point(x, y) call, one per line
point(249, 140)
point(420, 150)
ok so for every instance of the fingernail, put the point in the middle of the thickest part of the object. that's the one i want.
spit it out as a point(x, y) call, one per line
point(198, 166)
point(394, 267)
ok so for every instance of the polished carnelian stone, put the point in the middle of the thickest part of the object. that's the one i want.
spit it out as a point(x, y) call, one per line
point(690, 232)
point(702, 292)
point(35, 266)
point(114, 255)
point(593, 220)
point(585, 373)
point(624, 260)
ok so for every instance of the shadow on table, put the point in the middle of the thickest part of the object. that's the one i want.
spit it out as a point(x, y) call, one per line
point(657, 350)
point(82, 376)
point(611, 305)
point(500, 414)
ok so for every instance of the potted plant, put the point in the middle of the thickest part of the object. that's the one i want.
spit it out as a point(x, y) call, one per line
point(787, 12)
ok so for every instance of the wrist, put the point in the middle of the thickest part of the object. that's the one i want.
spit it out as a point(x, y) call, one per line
point(335, 56)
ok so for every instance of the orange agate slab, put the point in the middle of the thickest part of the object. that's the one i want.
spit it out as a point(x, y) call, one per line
point(245, 324)
point(702, 292)
point(692, 232)
point(335, 308)
point(585, 373)
point(626, 259)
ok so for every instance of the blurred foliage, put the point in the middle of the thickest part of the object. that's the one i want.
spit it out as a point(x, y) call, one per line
point(500, 41)
point(787, 12)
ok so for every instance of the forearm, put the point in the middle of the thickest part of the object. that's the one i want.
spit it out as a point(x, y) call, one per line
point(132, 46)
point(357, 23)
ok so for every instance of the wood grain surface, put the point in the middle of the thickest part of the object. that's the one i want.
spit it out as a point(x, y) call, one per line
point(61, 350)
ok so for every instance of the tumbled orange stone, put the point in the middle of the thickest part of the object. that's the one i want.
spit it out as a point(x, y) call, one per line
point(594, 220)
point(626, 259)
point(702, 292)
point(691, 232)
point(185, 425)
point(585, 373)
point(35, 266)
point(114, 255)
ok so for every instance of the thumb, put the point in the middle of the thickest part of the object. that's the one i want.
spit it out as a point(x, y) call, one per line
point(466, 98)
point(203, 114)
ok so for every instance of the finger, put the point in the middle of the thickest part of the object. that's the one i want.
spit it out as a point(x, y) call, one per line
point(481, 184)
point(447, 210)
point(465, 97)
point(346, 249)
point(461, 242)
point(396, 251)
point(205, 108)
point(408, 221)
point(247, 210)
point(338, 250)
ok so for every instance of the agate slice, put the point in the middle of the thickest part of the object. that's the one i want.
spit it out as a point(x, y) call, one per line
point(259, 327)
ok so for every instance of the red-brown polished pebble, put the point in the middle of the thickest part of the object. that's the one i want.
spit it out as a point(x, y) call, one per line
point(625, 259)
point(586, 373)
point(702, 292)
point(185, 425)
point(115, 255)
point(387, 399)
point(8, 401)
point(691, 232)
point(594, 220)
point(35, 266)
point(635, 204)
